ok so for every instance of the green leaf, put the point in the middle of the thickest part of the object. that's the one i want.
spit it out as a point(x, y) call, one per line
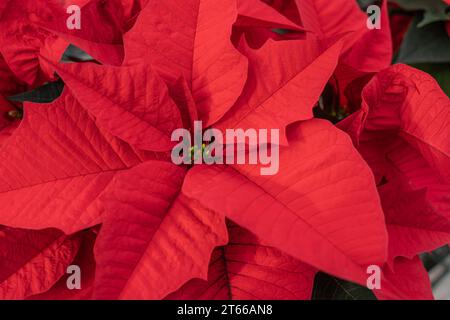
point(44, 94)
point(429, 44)
point(434, 10)
point(365, 3)
point(327, 287)
point(439, 71)
point(75, 54)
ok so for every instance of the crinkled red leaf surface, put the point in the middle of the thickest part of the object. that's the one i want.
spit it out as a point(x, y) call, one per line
point(418, 218)
point(155, 238)
point(177, 38)
point(86, 261)
point(55, 165)
point(245, 269)
point(257, 14)
point(409, 279)
point(329, 20)
point(87, 179)
point(281, 89)
point(142, 115)
point(402, 102)
point(319, 161)
point(403, 132)
point(31, 262)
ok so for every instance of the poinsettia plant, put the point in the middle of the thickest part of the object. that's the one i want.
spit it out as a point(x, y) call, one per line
point(87, 178)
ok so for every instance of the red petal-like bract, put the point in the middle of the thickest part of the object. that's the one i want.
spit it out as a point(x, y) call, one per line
point(257, 14)
point(246, 269)
point(403, 131)
point(289, 93)
point(418, 220)
point(409, 101)
point(409, 278)
point(176, 39)
point(286, 210)
point(9, 85)
point(156, 235)
point(153, 244)
point(31, 262)
point(88, 179)
point(21, 41)
point(86, 261)
point(55, 166)
point(142, 115)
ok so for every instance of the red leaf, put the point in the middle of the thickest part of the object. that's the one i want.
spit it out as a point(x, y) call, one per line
point(364, 50)
point(287, 8)
point(192, 39)
point(32, 261)
point(373, 51)
point(102, 26)
point(56, 164)
point(182, 96)
point(416, 205)
point(258, 21)
point(255, 13)
point(142, 115)
point(408, 102)
point(403, 132)
point(85, 260)
point(21, 39)
point(142, 242)
point(9, 86)
point(289, 93)
point(340, 232)
point(408, 280)
point(245, 269)
point(334, 20)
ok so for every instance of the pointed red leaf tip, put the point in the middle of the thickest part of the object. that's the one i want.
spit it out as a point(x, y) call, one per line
point(373, 51)
point(281, 89)
point(321, 208)
point(192, 39)
point(417, 210)
point(36, 30)
point(256, 13)
point(333, 20)
point(31, 262)
point(403, 132)
point(407, 279)
point(258, 22)
point(132, 102)
point(407, 103)
point(245, 269)
point(55, 166)
point(102, 25)
point(86, 261)
point(21, 40)
point(101, 21)
point(149, 247)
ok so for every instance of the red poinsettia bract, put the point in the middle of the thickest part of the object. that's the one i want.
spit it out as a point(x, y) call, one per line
point(88, 180)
